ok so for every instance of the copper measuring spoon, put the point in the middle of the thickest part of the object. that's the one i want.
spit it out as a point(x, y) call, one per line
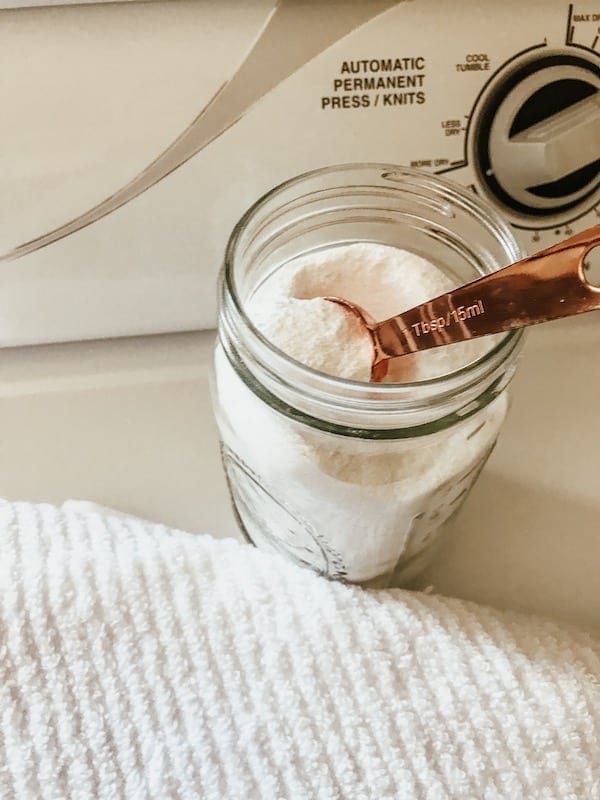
point(548, 285)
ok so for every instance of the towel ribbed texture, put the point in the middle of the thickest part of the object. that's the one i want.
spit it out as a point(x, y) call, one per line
point(141, 662)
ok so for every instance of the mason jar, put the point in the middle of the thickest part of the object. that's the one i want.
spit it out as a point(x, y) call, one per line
point(355, 480)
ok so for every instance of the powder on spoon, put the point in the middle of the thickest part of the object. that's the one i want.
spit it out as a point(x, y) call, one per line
point(316, 332)
point(289, 309)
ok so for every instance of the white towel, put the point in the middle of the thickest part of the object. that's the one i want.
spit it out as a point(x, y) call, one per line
point(142, 662)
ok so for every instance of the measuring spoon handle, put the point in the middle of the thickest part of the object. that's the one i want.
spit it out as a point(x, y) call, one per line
point(546, 286)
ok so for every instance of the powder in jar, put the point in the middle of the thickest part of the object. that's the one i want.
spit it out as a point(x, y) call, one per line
point(349, 506)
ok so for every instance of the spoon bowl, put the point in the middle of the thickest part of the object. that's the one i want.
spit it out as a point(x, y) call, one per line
point(379, 362)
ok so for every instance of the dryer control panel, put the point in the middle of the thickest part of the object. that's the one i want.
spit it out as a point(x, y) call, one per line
point(137, 134)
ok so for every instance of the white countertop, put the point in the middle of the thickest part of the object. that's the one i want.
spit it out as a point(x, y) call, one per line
point(128, 424)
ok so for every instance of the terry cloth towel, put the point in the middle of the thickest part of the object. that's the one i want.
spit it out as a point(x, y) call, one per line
point(142, 662)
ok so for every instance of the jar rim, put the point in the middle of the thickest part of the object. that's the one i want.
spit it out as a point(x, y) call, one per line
point(448, 189)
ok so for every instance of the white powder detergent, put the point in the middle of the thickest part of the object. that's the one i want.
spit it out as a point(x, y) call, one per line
point(350, 507)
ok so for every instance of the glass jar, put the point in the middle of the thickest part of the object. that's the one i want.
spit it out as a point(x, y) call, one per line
point(355, 480)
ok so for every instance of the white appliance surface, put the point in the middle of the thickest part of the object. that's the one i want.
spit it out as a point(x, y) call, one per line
point(38, 3)
point(137, 133)
point(128, 424)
